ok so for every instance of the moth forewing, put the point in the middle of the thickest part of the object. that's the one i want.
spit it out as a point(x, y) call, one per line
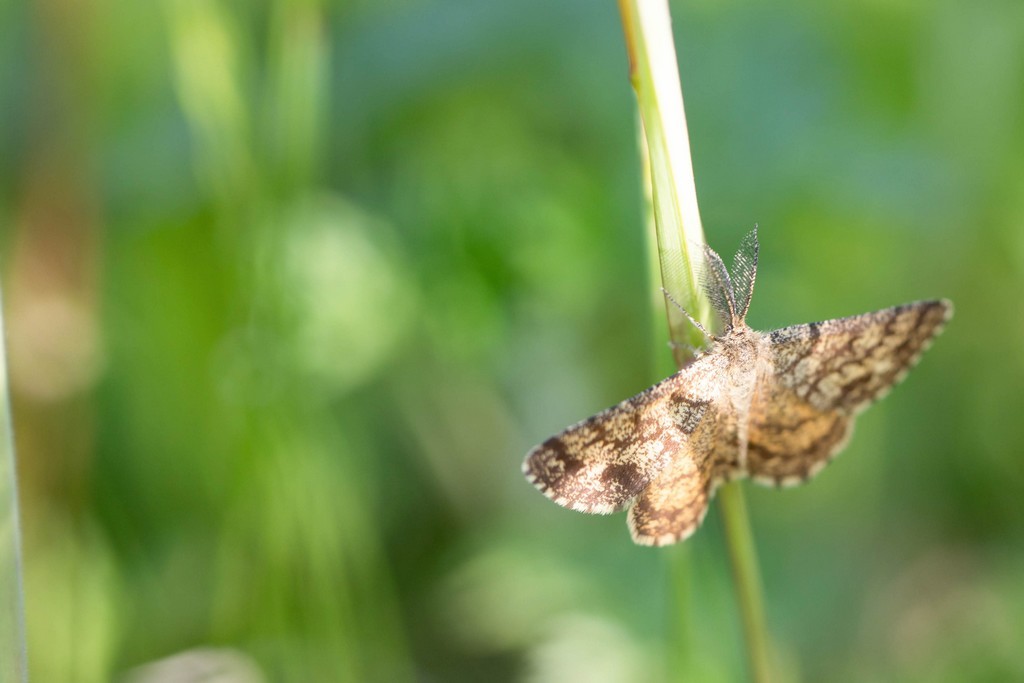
point(824, 374)
point(848, 363)
point(601, 464)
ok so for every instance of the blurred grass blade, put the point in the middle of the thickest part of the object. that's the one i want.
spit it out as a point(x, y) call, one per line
point(298, 73)
point(211, 68)
point(12, 599)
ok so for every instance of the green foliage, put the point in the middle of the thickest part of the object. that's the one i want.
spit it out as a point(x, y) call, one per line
point(356, 259)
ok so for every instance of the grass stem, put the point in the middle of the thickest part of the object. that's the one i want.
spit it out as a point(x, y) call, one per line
point(746, 579)
point(672, 200)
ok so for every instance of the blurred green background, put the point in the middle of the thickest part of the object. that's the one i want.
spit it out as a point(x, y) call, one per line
point(291, 287)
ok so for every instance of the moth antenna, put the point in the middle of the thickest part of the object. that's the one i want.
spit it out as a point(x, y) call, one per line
point(744, 272)
point(687, 314)
point(718, 287)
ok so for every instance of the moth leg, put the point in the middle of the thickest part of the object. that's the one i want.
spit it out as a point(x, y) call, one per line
point(703, 330)
point(682, 346)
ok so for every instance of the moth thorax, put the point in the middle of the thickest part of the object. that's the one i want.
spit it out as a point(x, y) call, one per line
point(741, 344)
point(740, 348)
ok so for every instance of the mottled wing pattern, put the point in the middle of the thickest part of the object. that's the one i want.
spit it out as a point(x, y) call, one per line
point(601, 464)
point(674, 505)
point(824, 374)
point(789, 440)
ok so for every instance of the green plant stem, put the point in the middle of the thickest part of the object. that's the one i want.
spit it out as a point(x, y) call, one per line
point(746, 578)
point(671, 191)
point(672, 200)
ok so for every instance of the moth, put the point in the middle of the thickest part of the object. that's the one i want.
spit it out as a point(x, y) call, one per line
point(773, 406)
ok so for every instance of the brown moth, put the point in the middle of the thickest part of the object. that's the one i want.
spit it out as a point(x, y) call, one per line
point(774, 406)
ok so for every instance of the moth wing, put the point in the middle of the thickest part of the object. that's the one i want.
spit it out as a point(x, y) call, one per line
point(601, 464)
point(674, 505)
point(824, 374)
point(789, 440)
